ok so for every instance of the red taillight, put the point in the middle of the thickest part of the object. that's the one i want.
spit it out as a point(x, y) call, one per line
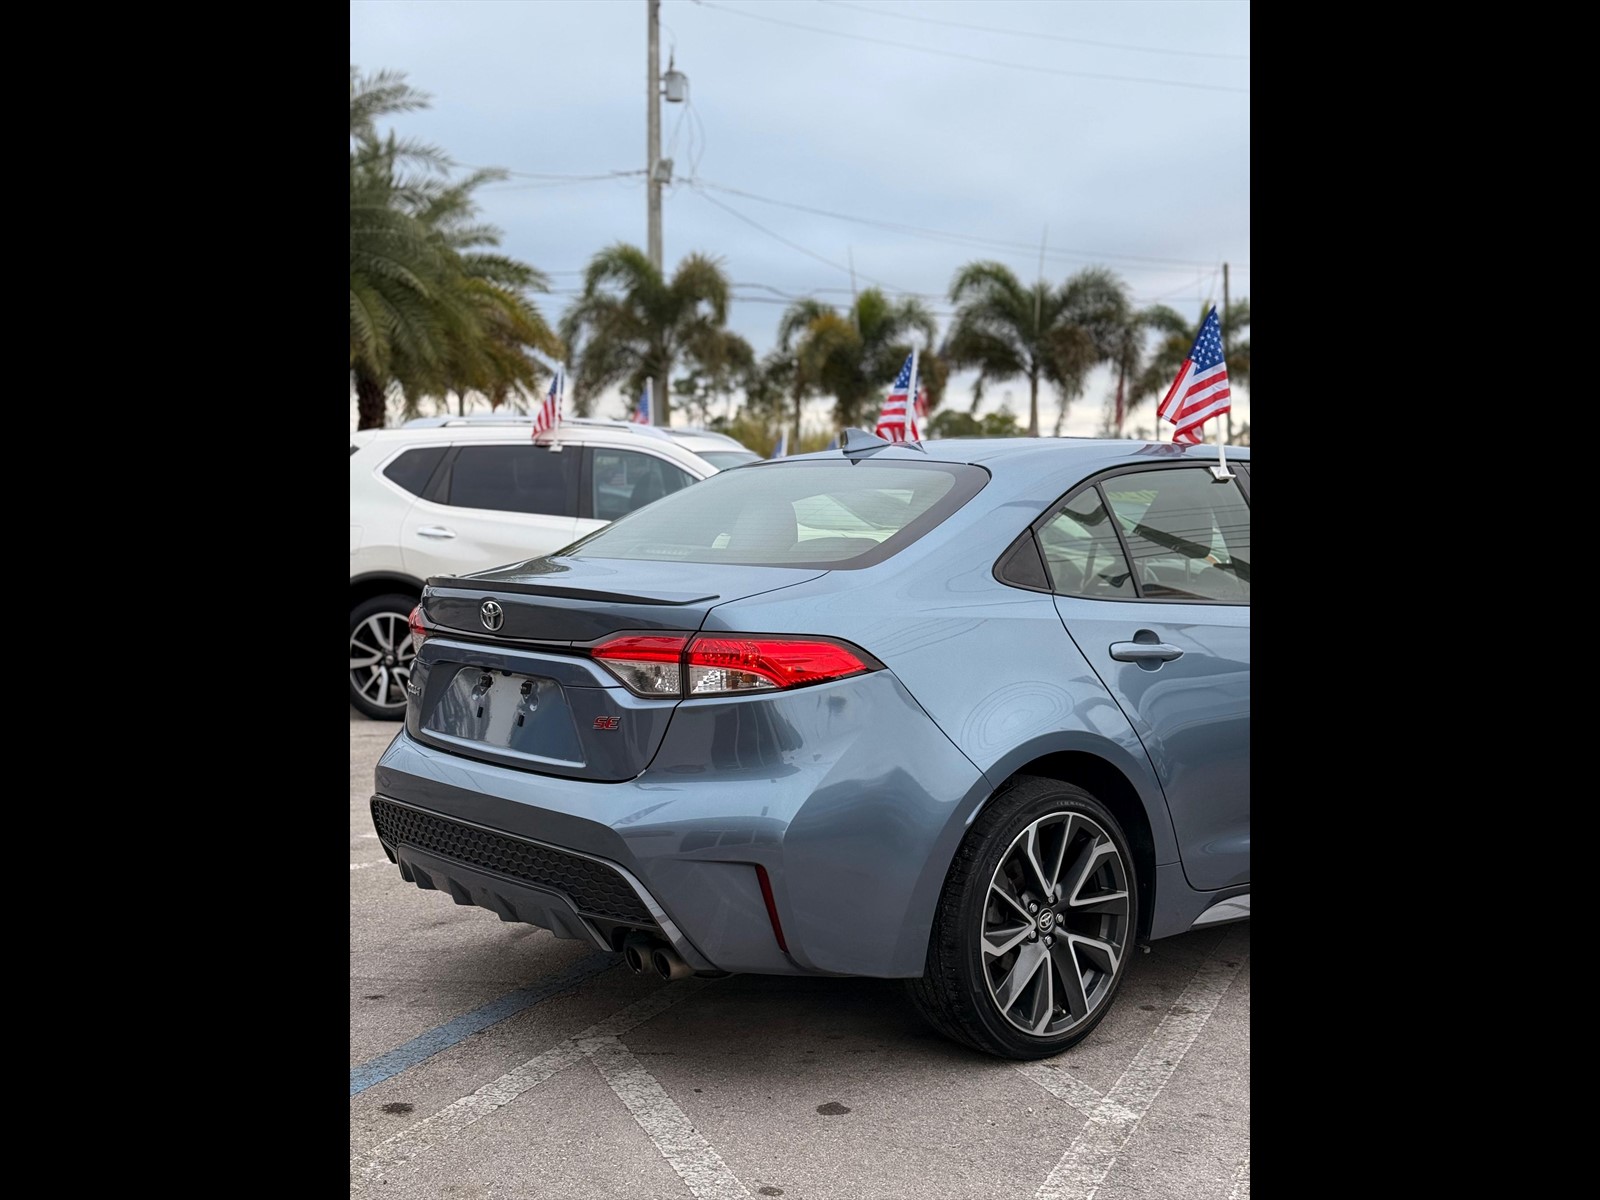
point(650, 665)
point(419, 631)
point(718, 665)
point(722, 665)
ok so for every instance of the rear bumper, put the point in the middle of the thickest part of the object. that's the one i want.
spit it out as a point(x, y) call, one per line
point(847, 794)
point(572, 895)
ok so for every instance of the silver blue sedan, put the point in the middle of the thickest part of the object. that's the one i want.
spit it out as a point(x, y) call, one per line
point(970, 713)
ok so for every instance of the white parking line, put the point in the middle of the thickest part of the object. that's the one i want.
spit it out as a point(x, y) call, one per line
point(1113, 1119)
point(364, 866)
point(699, 1166)
point(1073, 1090)
point(497, 1093)
point(1241, 1180)
point(373, 836)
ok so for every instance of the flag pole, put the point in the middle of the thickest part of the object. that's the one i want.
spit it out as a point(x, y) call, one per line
point(911, 398)
point(561, 408)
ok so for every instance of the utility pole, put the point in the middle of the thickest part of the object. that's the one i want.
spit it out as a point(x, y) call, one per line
point(653, 173)
point(1227, 417)
point(652, 93)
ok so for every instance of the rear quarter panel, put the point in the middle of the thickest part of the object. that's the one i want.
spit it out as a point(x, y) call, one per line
point(991, 665)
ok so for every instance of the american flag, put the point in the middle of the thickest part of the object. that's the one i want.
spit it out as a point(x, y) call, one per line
point(1200, 391)
point(641, 415)
point(549, 415)
point(780, 448)
point(892, 423)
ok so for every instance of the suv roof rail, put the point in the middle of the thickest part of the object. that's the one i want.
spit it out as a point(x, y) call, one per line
point(483, 420)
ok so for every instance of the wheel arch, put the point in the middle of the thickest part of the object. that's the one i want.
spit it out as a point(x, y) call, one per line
point(380, 583)
point(1111, 787)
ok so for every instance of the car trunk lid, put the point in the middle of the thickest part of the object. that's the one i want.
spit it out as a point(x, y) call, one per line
point(504, 674)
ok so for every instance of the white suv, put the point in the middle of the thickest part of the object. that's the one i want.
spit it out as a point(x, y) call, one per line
point(450, 495)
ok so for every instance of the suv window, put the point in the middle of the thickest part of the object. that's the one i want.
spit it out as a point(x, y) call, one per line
point(522, 479)
point(1082, 552)
point(793, 514)
point(623, 480)
point(414, 468)
point(1189, 535)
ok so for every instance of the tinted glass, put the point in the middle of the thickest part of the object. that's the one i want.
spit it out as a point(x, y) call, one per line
point(801, 514)
point(623, 480)
point(413, 468)
point(525, 479)
point(1189, 535)
point(723, 459)
point(1082, 552)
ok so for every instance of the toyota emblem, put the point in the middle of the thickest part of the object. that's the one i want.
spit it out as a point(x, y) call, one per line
point(493, 615)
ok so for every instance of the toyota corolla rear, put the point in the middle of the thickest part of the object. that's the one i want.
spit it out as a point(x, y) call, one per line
point(607, 742)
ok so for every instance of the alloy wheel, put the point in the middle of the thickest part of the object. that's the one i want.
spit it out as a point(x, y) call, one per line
point(1055, 924)
point(380, 659)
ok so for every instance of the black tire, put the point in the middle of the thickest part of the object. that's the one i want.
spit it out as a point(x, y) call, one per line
point(373, 628)
point(957, 994)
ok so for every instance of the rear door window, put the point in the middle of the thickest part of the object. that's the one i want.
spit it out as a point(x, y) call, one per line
point(521, 479)
point(1188, 535)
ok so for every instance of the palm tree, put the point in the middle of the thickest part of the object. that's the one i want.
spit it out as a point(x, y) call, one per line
point(855, 355)
point(432, 310)
point(1056, 334)
point(1130, 337)
point(631, 324)
point(395, 266)
point(1095, 304)
point(809, 332)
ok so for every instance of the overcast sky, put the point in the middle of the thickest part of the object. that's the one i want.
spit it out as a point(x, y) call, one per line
point(1070, 127)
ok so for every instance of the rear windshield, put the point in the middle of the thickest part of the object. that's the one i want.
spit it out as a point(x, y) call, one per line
point(799, 514)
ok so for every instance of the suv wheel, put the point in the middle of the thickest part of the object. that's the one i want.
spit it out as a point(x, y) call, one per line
point(380, 655)
point(1032, 934)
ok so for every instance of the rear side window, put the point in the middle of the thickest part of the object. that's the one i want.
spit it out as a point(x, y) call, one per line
point(414, 468)
point(521, 479)
point(623, 480)
point(1188, 535)
point(806, 514)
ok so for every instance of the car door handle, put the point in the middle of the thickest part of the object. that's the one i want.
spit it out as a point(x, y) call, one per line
point(435, 531)
point(1144, 652)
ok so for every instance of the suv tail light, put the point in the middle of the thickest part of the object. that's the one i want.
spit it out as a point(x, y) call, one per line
point(419, 631)
point(726, 664)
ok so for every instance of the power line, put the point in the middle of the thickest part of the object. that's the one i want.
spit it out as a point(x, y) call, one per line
point(792, 245)
point(993, 62)
point(1031, 35)
point(553, 174)
point(959, 238)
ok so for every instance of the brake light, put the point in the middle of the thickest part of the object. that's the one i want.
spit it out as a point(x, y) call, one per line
point(661, 665)
point(647, 665)
point(419, 631)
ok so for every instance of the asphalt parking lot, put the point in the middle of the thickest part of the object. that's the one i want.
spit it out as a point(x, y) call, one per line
point(494, 1060)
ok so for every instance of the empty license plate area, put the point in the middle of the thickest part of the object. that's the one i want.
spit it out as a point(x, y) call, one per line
point(523, 714)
